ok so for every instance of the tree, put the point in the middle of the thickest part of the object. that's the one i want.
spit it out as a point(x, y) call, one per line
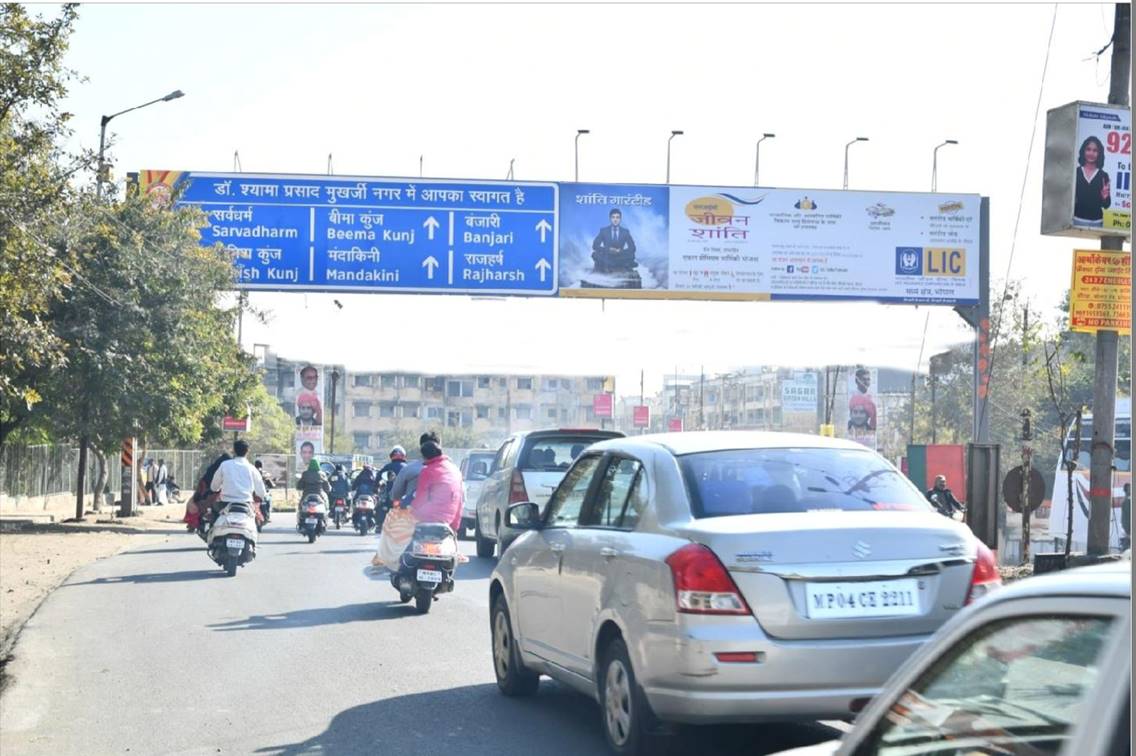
point(35, 189)
point(272, 429)
point(148, 350)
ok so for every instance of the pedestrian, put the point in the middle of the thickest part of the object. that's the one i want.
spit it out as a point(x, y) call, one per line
point(150, 476)
point(160, 483)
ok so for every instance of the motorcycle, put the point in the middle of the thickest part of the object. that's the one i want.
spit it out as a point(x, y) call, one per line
point(426, 569)
point(265, 511)
point(313, 517)
point(339, 511)
point(363, 518)
point(232, 537)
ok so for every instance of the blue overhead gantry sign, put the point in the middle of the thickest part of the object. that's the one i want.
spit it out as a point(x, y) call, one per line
point(335, 233)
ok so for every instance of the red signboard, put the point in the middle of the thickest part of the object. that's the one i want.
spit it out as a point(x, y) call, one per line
point(674, 425)
point(641, 416)
point(240, 424)
point(603, 405)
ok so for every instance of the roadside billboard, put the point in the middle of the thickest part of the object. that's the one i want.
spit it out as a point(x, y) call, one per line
point(800, 393)
point(309, 396)
point(862, 406)
point(1087, 186)
point(603, 405)
point(1101, 295)
point(641, 416)
point(697, 242)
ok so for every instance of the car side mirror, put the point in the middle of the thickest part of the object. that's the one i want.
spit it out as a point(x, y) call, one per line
point(523, 516)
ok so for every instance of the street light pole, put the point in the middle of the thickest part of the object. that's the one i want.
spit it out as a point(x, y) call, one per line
point(579, 133)
point(103, 128)
point(757, 156)
point(673, 135)
point(857, 139)
point(935, 164)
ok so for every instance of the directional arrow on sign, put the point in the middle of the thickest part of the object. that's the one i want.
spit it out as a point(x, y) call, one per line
point(544, 227)
point(431, 225)
point(430, 264)
point(543, 266)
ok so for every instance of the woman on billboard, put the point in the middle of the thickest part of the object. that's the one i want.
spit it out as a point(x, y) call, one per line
point(1093, 189)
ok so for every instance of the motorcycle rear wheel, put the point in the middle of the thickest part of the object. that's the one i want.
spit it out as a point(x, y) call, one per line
point(423, 601)
point(312, 537)
point(230, 565)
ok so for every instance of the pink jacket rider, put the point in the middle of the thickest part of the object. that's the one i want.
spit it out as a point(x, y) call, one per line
point(439, 495)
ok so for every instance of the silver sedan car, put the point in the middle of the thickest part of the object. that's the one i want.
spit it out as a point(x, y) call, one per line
point(726, 577)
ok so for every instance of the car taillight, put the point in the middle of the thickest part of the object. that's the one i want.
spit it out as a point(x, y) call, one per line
point(517, 492)
point(702, 585)
point(985, 577)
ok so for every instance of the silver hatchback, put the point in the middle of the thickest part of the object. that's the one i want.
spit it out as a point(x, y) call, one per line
point(726, 577)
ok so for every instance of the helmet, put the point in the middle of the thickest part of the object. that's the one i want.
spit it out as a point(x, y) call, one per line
point(398, 453)
point(339, 468)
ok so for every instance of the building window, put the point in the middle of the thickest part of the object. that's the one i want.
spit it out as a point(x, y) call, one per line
point(459, 388)
point(482, 412)
point(361, 409)
point(287, 378)
point(551, 384)
point(433, 413)
point(386, 409)
point(712, 398)
point(595, 384)
point(550, 413)
point(389, 381)
point(524, 384)
point(777, 418)
point(361, 379)
point(411, 381)
point(483, 381)
point(523, 411)
point(503, 382)
point(436, 384)
point(362, 440)
point(410, 409)
point(453, 418)
point(502, 413)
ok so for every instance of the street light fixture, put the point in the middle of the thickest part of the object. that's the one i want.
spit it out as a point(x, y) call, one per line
point(857, 139)
point(673, 135)
point(757, 155)
point(579, 133)
point(935, 164)
point(103, 127)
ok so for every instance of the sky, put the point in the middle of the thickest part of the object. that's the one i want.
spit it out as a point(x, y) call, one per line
point(469, 87)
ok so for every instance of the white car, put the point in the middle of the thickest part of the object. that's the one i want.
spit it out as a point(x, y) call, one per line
point(528, 467)
point(474, 469)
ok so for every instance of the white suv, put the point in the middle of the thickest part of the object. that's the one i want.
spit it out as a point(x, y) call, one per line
point(528, 467)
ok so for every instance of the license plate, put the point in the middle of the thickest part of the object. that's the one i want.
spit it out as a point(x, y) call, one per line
point(879, 598)
point(429, 576)
point(235, 543)
point(339, 509)
point(312, 521)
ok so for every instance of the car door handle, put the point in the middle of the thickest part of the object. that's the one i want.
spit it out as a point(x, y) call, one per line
point(556, 546)
point(608, 552)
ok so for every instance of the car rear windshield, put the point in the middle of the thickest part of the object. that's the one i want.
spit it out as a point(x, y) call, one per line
point(760, 481)
point(555, 452)
point(478, 467)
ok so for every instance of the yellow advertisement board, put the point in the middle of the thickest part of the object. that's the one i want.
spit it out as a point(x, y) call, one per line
point(1101, 295)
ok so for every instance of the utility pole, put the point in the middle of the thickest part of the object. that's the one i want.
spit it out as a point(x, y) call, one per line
point(1027, 455)
point(334, 381)
point(702, 397)
point(1104, 384)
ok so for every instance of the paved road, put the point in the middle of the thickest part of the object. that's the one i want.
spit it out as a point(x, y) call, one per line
point(155, 651)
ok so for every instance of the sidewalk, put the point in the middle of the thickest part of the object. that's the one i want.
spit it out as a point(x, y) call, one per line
point(36, 558)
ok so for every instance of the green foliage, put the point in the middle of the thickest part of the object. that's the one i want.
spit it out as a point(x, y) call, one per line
point(34, 189)
point(272, 429)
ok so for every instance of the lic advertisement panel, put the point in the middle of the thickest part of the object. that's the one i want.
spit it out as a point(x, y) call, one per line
point(332, 233)
point(645, 241)
point(1087, 188)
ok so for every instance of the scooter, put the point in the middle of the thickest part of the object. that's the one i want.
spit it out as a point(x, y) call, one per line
point(363, 518)
point(313, 517)
point(265, 511)
point(426, 569)
point(232, 538)
point(339, 511)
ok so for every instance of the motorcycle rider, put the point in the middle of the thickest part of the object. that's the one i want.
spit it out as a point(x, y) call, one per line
point(406, 483)
point(340, 486)
point(439, 493)
point(942, 499)
point(312, 482)
point(195, 509)
point(365, 482)
point(237, 480)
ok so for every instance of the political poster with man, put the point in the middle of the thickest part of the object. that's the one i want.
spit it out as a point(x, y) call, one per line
point(862, 413)
point(309, 397)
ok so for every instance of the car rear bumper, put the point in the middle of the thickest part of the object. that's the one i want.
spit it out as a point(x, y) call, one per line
point(814, 679)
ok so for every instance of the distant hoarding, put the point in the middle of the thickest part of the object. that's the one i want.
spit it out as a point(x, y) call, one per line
point(648, 241)
point(1087, 187)
point(238, 424)
point(674, 425)
point(603, 405)
point(799, 394)
point(862, 406)
point(1101, 295)
point(641, 416)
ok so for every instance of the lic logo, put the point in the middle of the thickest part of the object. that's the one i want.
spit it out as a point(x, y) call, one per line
point(909, 261)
